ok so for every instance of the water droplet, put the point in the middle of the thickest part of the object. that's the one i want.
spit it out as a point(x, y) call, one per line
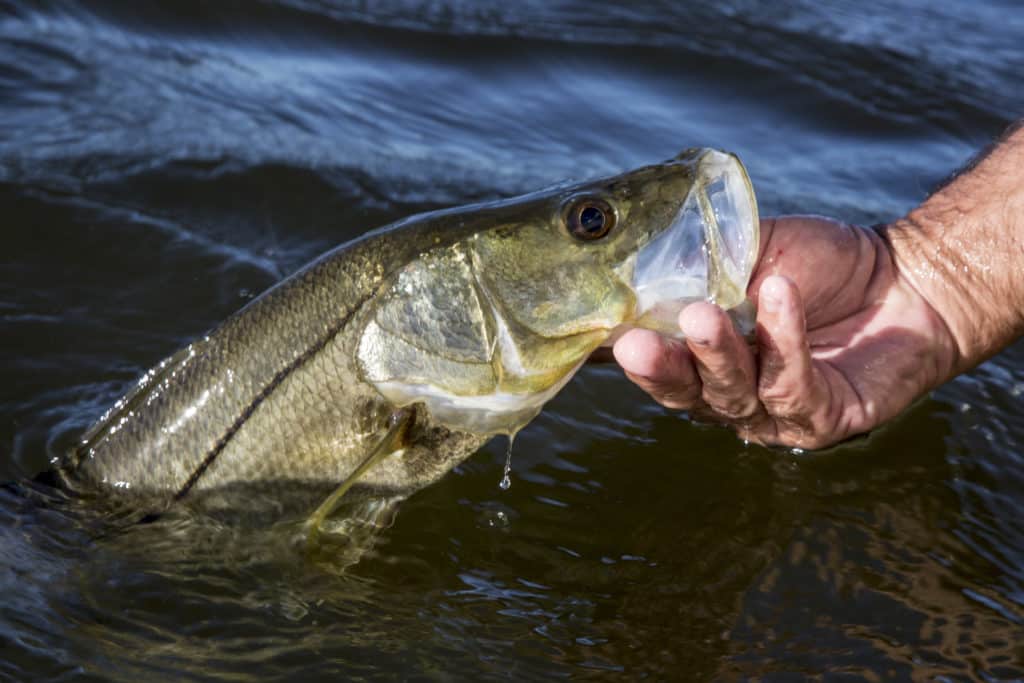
point(506, 480)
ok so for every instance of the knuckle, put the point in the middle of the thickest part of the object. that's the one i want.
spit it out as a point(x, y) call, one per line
point(733, 397)
point(728, 383)
point(786, 405)
point(792, 413)
point(732, 408)
point(798, 424)
point(679, 399)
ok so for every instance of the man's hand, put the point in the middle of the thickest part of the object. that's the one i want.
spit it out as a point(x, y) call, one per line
point(844, 342)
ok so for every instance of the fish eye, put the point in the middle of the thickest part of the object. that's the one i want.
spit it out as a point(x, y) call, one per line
point(589, 218)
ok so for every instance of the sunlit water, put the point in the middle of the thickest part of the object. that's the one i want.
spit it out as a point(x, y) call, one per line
point(163, 163)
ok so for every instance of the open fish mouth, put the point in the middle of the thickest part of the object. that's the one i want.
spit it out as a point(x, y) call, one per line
point(709, 250)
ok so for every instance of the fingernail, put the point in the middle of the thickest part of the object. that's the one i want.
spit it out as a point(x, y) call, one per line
point(699, 341)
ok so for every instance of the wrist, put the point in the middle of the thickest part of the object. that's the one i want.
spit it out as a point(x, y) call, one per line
point(962, 249)
point(926, 276)
point(963, 280)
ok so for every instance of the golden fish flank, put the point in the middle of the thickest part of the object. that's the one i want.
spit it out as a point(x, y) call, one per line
point(461, 322)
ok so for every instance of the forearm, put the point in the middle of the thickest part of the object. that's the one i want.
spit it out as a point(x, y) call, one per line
point(963, 251)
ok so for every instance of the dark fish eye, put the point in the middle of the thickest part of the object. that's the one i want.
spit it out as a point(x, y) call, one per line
point(589, 218)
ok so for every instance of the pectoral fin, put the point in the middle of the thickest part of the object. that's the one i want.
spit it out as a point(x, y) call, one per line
point(394, 440)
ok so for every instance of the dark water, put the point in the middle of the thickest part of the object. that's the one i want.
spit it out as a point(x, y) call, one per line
point(161, 163)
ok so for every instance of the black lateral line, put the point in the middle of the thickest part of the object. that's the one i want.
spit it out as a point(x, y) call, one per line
point(258, 399)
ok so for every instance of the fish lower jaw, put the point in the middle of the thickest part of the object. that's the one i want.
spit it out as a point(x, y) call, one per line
point(663, 318)
point(499, 412)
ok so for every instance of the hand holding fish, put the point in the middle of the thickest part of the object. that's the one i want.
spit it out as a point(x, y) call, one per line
point(843, 343)
point(853, 324)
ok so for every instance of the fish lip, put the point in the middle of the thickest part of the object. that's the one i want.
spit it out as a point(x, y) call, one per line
point(707, 252)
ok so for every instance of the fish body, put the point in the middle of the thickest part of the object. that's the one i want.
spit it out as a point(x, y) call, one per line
point(464, 322)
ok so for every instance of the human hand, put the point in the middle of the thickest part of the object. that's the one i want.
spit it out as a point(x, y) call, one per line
point(844, 342)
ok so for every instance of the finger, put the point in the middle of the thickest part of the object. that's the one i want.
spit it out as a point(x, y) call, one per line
point(788, 386)
point(661, 367)
point(724, 362)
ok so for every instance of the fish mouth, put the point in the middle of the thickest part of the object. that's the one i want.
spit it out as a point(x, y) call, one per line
point(708, 251)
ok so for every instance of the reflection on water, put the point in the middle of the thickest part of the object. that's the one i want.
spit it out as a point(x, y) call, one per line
point(162, 164)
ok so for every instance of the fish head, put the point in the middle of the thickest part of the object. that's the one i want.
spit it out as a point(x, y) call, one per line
point(492, 320)
point(630, 250)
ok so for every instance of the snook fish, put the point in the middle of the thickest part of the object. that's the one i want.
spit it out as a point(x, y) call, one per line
point(389, 360)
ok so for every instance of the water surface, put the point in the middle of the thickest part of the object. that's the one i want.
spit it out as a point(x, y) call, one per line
point(163, 163)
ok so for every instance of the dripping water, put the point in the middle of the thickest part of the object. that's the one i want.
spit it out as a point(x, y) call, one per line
point(506, 480)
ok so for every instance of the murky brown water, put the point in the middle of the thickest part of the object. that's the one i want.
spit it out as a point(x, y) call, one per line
point(160, 164)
